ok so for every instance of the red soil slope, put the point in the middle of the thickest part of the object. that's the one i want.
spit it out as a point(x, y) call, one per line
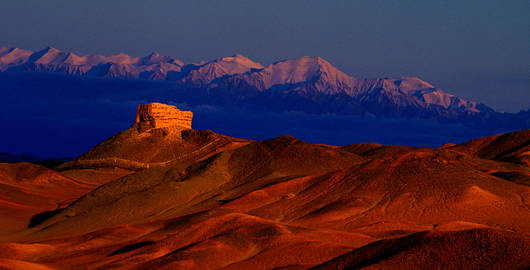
point(28, 189)
point(509, 147)
point(469, 249)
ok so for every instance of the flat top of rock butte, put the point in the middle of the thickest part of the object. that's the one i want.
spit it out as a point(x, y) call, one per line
point(157, 115)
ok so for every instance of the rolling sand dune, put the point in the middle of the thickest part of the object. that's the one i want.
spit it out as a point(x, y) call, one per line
point(207, 201)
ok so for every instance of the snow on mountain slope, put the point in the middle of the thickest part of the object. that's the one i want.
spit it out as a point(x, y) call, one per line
point(313, 77)
point(201, 75)
point(12, 57)
point(153, 66)
point(299, 71)
point(238, 77)
point(155, 58)
point(52, 56)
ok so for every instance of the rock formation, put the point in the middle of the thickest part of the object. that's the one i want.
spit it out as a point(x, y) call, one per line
point(157, 115)
point(161, 136)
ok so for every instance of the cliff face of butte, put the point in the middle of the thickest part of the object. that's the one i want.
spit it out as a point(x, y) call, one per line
point(157, 115)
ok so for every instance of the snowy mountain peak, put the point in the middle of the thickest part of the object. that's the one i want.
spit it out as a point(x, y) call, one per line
point(50, 49)
point(204, 74)
point(12, 57)
point(301, 70)
point(240, 60)
point(51, 56)
point(156, 58)
point(407, 85)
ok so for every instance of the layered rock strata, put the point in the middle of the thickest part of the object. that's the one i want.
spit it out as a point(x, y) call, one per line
point(157, 115)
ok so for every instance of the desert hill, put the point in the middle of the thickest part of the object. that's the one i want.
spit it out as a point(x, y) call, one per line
point(509, 147)
point(206, 184)
point(161, 135)
point(282, 204)
point(28, 189)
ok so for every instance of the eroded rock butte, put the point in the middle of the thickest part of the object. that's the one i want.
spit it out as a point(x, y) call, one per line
point(157, 115)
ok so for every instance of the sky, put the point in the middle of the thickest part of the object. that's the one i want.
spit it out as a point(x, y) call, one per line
point(478, 50)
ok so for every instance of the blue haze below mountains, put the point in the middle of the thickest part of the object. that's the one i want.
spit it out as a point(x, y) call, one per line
point(55, 115)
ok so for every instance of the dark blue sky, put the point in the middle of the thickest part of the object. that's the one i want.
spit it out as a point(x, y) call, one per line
point(476, 49)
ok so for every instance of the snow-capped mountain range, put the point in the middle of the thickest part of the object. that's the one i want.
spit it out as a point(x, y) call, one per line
point(306, 83)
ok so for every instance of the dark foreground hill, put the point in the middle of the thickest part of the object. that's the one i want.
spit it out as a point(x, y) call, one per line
point(280, 204)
